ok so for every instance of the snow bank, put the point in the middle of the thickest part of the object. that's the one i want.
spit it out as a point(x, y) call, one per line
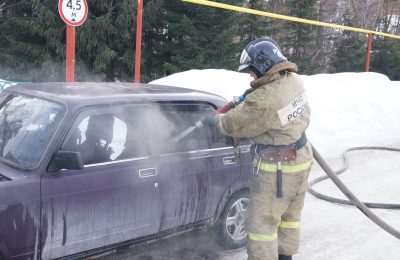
point(5, 84)
point(353, 109)
point(225, 83)
point(347, 109)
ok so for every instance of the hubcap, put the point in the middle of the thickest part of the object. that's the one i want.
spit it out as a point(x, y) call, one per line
point(235, 220)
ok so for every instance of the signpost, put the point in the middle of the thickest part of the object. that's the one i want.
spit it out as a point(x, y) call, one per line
point(73, 13)
point(138, 40)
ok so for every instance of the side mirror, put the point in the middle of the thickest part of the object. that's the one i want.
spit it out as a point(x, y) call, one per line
point(67, 160)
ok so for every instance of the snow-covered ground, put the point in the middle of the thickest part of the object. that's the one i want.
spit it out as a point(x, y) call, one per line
point(347, 109)
point(5, 84)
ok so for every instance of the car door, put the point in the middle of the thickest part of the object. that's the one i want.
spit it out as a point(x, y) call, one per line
point(115, 197)
point(246, 162)
point(183, 165)
point(189, 193)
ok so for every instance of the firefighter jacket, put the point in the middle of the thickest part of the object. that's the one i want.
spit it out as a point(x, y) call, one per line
point(275, 113)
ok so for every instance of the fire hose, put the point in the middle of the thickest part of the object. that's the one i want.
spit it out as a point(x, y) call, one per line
point(364, 207)
point(353, 200)
point(225, 108)
point(342, 170)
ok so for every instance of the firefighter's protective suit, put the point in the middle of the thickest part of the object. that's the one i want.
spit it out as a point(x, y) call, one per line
point(275, 114)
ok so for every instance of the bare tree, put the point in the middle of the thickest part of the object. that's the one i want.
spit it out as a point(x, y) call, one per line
point(364, 13)
point(390, 17)
point(330, 12)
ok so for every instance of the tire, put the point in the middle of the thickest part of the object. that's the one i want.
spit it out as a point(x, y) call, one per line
point(230, 227)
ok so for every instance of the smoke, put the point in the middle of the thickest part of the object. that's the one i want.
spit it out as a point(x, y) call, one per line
point(84, 74)
point(5, 72)
point(195, 245)
point(48, 72)
point(141, 130)
point(150, 129)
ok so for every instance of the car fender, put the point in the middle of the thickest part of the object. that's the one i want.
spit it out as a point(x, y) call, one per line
point(234, 188)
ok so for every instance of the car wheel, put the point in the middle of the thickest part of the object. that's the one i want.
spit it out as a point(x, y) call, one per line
point(230, 227)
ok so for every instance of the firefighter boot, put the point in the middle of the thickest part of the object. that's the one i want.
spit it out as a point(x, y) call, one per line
point(285, 257)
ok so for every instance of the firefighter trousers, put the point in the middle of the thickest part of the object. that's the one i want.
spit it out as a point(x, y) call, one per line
point(273, 223)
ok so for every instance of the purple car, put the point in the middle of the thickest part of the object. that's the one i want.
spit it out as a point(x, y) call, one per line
point(89, 167)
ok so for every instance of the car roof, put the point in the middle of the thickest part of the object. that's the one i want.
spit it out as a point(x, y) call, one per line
point(89, 93)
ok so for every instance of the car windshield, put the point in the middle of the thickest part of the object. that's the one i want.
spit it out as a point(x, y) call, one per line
point(26, 126)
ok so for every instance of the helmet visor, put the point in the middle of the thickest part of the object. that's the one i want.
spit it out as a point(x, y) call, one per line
point(244, 61)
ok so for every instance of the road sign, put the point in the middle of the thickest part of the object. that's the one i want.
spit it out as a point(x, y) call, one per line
point(73, 12)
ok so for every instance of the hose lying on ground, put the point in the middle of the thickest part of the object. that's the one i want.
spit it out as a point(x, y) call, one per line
point(353, 200)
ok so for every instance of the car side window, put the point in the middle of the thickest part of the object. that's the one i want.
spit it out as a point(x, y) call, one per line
point(137, 137)
point(126, 132)
point(110, 134)
point(173, 119)
point(219, 140)
point(98, 136)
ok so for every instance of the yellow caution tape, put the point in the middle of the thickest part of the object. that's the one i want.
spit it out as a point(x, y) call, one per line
point(289, 18)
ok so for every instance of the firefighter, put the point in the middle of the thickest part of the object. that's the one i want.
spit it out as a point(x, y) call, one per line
point(274, 116)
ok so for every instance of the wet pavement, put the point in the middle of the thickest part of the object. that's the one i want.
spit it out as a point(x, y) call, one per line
point(329, 231)
point(199, 244)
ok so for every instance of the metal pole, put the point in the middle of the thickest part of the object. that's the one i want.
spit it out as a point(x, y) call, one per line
point(70, 61)
point(368, 57)
point(138, 40)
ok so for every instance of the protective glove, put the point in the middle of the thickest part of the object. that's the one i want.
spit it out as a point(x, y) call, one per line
point(210, 119)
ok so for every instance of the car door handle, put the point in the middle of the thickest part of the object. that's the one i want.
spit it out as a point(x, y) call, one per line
point(245, 149)
point(229, 160)
point(144, 173)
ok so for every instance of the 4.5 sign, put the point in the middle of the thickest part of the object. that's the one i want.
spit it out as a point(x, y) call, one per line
point(73, 12)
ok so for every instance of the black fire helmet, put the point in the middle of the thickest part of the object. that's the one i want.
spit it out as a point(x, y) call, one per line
point(260, 56)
